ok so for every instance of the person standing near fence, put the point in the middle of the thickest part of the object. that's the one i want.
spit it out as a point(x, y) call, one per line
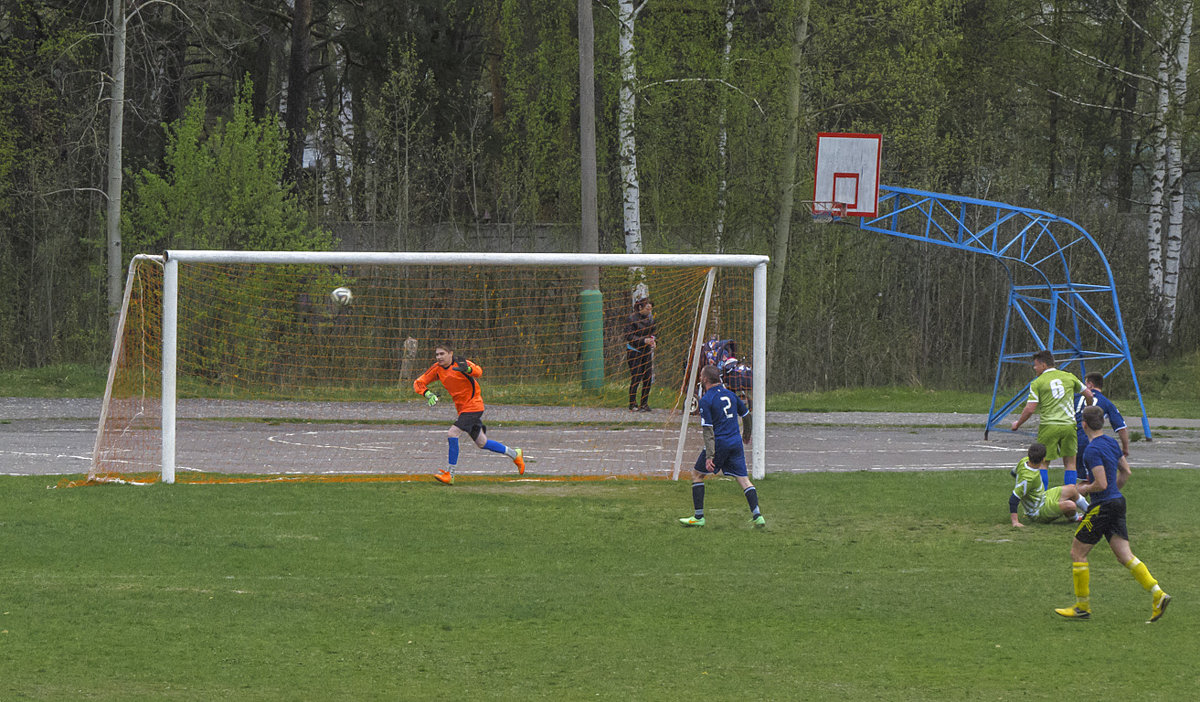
point(639, 352)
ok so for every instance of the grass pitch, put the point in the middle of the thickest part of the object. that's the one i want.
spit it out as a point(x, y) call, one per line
point(863, 586)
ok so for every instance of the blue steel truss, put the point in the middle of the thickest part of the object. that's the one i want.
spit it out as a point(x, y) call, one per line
point(1075, 316)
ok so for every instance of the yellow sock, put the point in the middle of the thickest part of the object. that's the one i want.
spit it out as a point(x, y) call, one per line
point(1141, 573)
point(1082, 577)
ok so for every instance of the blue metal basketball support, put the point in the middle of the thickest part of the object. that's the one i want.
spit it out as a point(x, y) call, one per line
point(1045, 301)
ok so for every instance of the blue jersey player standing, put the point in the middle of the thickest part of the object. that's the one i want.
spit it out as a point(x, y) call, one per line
point(1095, 383)
point(1107, 472)
point(720, 409)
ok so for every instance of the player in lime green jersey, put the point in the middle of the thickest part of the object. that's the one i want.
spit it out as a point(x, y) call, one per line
point(1052, 395)
point(1036, 504)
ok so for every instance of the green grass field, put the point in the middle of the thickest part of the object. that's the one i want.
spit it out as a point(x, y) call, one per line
point(864, 586)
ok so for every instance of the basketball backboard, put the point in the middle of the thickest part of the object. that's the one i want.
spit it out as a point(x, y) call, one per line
point(846, 180)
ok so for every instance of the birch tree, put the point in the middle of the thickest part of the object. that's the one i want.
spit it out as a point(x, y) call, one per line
point(722, 130)
point(631, 217)
point(1166, 192)
point(1167, 27)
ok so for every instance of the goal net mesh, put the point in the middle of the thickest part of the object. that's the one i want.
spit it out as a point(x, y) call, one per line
point(277, 381)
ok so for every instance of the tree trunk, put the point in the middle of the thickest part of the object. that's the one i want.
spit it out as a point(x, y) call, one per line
point(1174, 239)
point(626, 119)
point(297, 89)
point(116, 118)
point(722, 131)
point(1166, 188)
point(589, 228)
point(1052, 119)
point(1127, 117)
point(787, 181)
point(1158, 178)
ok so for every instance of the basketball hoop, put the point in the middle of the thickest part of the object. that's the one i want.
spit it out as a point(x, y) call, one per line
point(826, 212)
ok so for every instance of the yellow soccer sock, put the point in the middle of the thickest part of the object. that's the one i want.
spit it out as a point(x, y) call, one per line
point(1141, 573)
point(1082, 578)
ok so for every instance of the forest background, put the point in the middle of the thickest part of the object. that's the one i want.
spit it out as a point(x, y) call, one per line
point(455, 125)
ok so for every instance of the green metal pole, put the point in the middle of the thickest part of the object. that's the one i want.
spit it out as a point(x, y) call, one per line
point(592, 316)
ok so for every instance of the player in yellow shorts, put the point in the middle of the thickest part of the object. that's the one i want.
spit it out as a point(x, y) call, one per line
point(1105, 472)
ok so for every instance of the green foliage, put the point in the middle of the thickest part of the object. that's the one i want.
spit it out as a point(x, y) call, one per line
point(538, 167)
point(407, 155)
point(863, 586)
point(49, 168)
point(221, 189)
point(9, 134)
point(428, 112)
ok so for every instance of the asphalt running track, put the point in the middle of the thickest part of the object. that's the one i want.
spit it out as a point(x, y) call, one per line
point(56, 437)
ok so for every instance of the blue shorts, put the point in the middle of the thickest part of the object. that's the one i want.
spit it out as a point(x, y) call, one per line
point(730, 460)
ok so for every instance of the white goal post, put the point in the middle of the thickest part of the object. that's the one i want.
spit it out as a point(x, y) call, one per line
point(170, 310)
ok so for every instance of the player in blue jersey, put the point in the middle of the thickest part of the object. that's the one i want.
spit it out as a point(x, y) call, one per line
point(1105, 473)
point(1095, 383)
point(719, 412)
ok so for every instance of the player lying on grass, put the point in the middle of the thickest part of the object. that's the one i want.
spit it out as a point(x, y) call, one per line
point(1105, 472)
point(458, 376)
point(1040, 505)
point(719, 412)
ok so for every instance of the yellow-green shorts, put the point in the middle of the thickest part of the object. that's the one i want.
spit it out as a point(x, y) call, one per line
point(1060, 440)
point(1049, 510)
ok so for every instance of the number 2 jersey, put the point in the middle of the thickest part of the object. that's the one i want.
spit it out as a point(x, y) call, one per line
point(720, 409)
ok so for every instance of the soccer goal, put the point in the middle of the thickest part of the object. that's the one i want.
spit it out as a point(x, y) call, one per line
point(235, 365)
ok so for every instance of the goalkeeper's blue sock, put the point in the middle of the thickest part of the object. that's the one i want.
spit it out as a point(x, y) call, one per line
point(453, 441)
point(752, 498)
point(1069, 477)
point(496, 446)
point(1045, 478)
point(698, 499)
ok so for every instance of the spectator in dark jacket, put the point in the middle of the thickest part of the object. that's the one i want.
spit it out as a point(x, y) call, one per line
point(639, 351)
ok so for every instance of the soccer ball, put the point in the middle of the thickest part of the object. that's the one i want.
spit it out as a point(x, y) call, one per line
point(341, 296)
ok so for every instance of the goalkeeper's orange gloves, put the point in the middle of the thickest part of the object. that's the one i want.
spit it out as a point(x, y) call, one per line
point(431, 397)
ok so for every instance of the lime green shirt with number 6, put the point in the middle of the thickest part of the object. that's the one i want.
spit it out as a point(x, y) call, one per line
point(1054, 392)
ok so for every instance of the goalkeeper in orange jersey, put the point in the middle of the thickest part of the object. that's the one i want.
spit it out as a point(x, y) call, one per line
point(460, 378)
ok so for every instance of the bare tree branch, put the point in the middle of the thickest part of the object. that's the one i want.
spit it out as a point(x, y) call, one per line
point(1096, 62)
point(727, 84)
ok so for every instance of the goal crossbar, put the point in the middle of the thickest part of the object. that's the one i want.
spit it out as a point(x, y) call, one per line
point(335, 258)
